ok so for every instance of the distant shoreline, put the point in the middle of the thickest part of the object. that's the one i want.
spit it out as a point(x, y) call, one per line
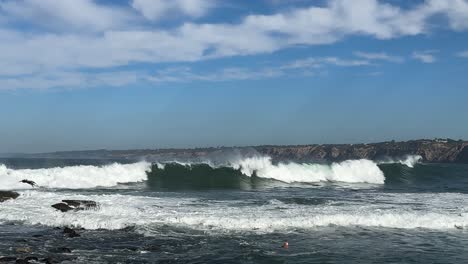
point(431, 150)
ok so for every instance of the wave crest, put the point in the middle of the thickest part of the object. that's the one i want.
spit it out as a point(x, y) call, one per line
point(350, 171)
point(74, 177)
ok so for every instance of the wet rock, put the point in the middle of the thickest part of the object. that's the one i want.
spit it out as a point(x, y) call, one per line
point(63, 250)
point(7, 259)
point(85, 204)
point(31, 258)
point(23, 250)
point(70, 232)
point(76, 205)
point(63, 207)
point(50, 260)
point(152, 248)
point(7, 195)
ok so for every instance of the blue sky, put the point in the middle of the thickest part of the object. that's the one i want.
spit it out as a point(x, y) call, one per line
point(91, 74)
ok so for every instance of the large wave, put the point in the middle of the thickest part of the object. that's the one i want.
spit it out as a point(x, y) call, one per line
point(350, 171)
point(245, 172)
point(74, 177)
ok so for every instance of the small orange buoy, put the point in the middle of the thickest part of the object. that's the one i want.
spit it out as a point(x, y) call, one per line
point(285, 244)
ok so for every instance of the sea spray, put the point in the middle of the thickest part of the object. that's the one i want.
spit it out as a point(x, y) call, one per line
point(74, 177)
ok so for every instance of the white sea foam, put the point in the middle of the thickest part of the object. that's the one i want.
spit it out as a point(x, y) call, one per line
point(408, 160)
point(74, 177)
point(402, 210)
point(350, 171)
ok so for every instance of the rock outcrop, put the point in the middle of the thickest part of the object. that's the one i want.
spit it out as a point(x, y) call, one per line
point(7, 195)
point(75, 205)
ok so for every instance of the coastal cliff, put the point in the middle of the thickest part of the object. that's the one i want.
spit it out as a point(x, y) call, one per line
point(434, 151)
point(440, 151)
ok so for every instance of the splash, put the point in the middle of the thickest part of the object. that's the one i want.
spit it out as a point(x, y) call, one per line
point(74, 177)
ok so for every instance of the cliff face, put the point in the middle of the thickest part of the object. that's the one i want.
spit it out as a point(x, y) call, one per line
point(442, 151)
point(430, 150)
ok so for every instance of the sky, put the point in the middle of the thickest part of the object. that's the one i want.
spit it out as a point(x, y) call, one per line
point(102, 74)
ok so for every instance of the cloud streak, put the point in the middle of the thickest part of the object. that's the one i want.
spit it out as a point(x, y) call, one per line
point(426, 56)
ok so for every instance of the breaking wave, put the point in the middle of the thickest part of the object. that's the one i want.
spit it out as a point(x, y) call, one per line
point(74, 177)
point(254, 172)
point(408, 160)
point(243, 173)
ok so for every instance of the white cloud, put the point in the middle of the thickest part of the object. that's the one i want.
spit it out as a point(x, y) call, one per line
point(77, 34)
point(159, 9)
point(71, 80)
point(66, 15)
point(186, 74)
point(313, 62)
point(463, 54)
point(378, 56)
point(426, 56)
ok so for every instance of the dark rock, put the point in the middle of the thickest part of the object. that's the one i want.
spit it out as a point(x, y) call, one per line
point(7, 195)
point(22, 261)
point(50, 260)
point(86, 204)
point(70, 232)
point(7, 259)
point(63, 250)
point(32, 183)
point(63, 207)
point(23, 250)
point(152, 248)
point(76, 205)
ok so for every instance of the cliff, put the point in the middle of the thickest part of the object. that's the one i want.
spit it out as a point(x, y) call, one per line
point(440, 151)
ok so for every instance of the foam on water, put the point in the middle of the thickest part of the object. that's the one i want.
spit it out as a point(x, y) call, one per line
point(74, 177)
point(402, 210)
point(350, 171)
point(408, 160)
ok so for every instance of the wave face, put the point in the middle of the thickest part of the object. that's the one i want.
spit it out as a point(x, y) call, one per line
point(242, 173)
point(255, 172)
point(74, 177)
point(173, 176)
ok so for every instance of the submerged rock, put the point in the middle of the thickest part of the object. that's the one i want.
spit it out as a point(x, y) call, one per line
point(7, 259)
point(23, 250)
point(70, 232)
point(63, 250)
point(50, 260)
point(76, 205)
point(7, 195)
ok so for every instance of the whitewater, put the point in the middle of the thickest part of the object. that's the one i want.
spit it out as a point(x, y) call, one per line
point(82, 176)
point(239, 208)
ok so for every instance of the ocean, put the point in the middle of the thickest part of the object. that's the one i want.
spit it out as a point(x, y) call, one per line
point(240, 210)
